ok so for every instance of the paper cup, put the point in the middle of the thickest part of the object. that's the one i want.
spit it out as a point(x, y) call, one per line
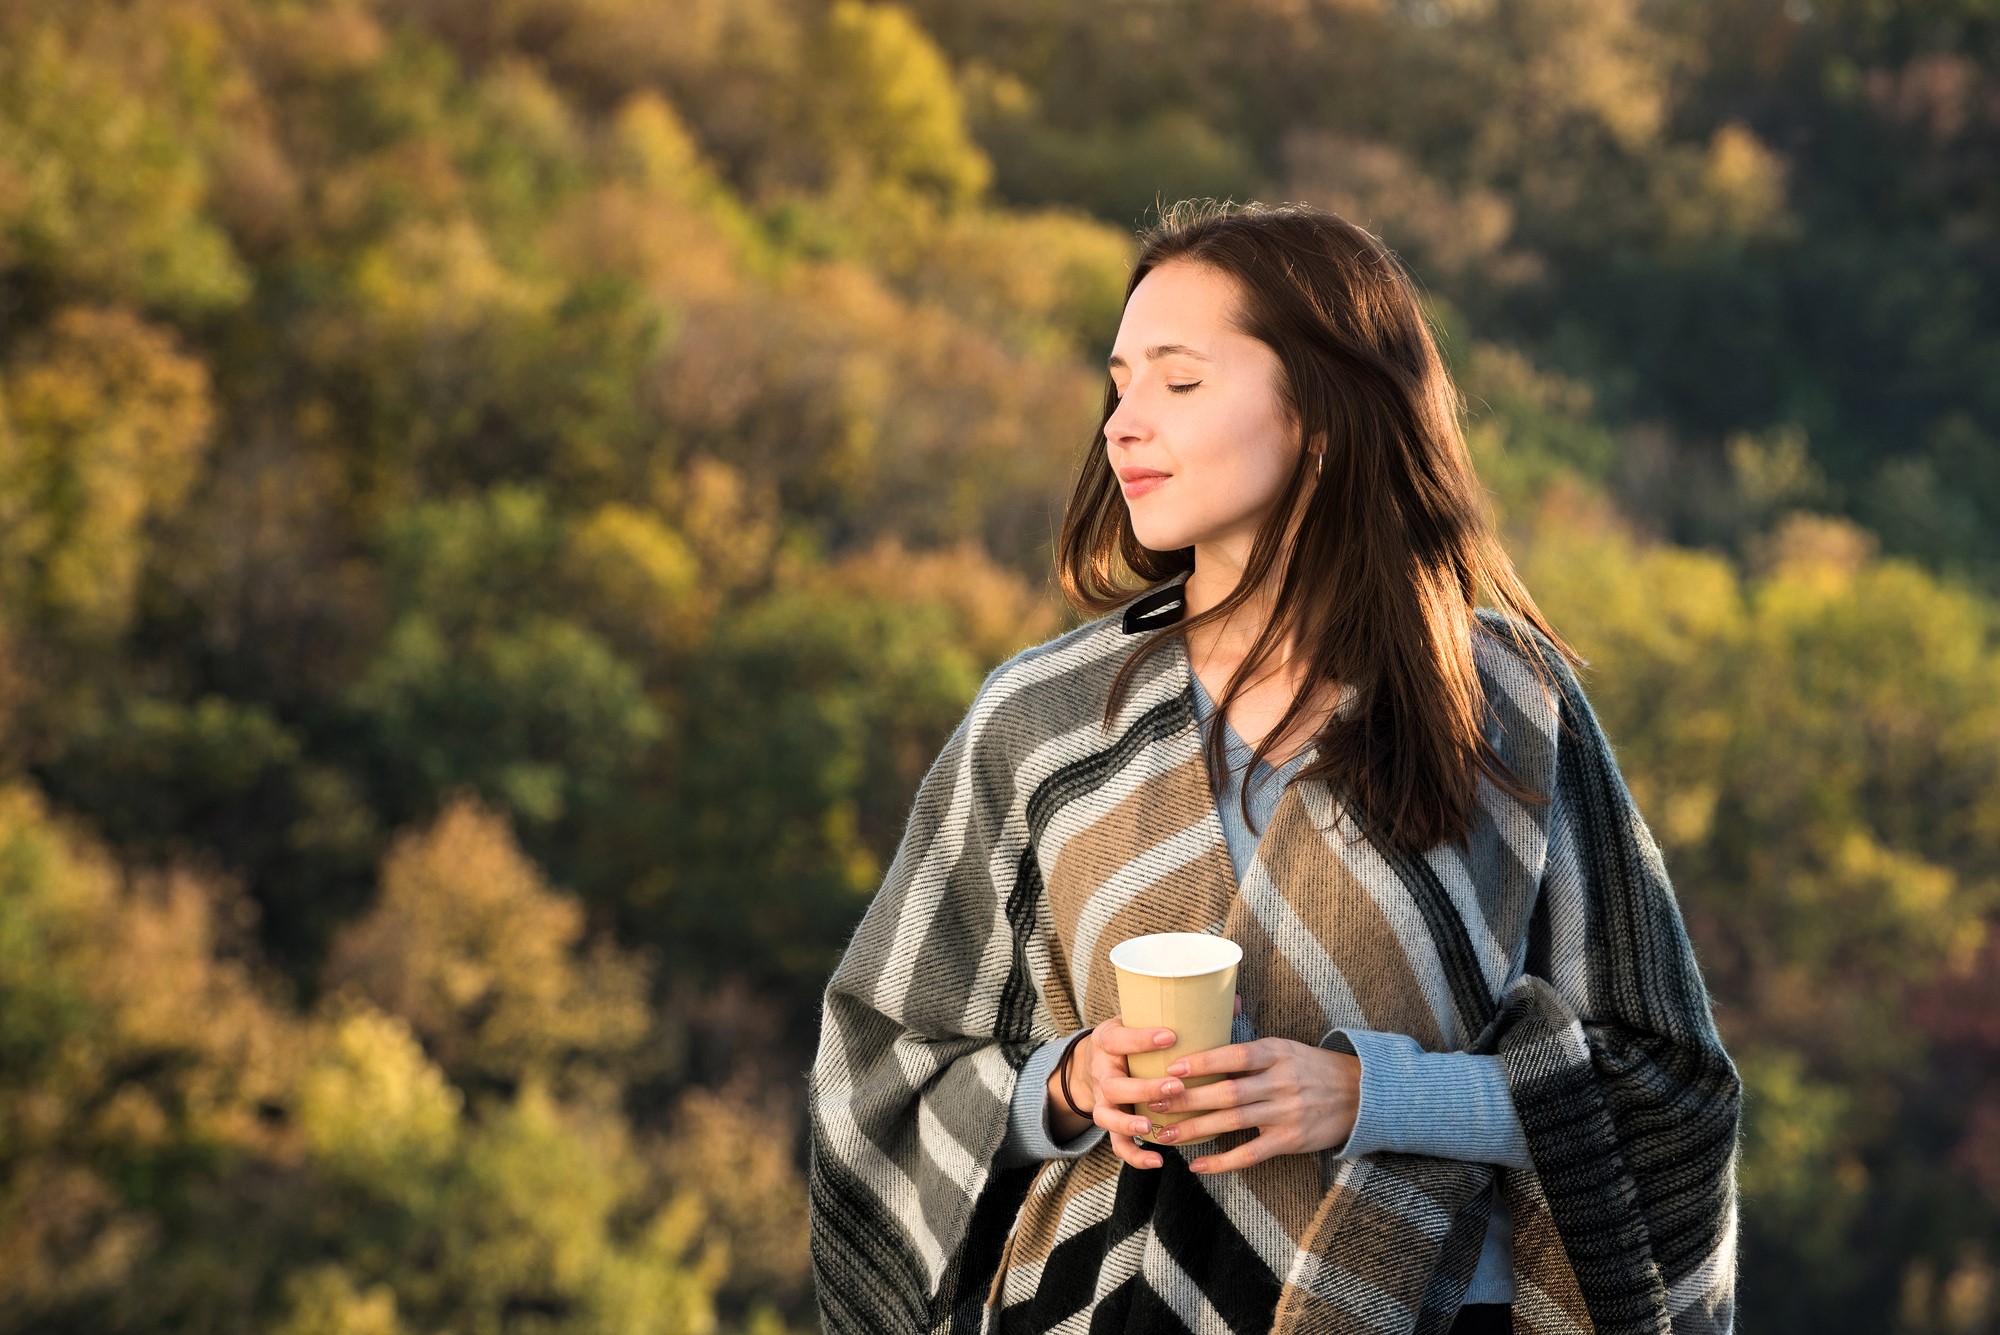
point(1183, 981)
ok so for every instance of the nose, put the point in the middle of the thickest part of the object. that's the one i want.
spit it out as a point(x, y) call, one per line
point(1124, 426)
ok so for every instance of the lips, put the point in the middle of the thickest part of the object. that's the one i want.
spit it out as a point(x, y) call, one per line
point(1139, 481)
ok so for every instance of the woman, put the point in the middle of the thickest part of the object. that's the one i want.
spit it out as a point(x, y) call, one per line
point(1475, 1083)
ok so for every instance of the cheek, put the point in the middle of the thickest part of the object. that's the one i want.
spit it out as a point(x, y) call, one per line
point(1242, 452)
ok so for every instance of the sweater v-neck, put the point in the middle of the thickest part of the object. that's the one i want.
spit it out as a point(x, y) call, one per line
point(1239, 750)
point(1265, 782)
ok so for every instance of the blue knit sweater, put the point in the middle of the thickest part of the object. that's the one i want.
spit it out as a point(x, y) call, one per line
point(1449, 1104)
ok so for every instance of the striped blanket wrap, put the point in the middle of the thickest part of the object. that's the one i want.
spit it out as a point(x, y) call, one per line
point(1040, 838)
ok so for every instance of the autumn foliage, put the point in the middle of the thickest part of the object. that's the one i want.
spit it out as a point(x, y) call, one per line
point(500, 504)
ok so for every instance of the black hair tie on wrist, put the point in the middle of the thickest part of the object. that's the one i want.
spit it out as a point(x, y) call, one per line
point(1063, 1084)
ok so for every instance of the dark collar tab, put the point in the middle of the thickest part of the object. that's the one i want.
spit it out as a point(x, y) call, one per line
point(1161, 607)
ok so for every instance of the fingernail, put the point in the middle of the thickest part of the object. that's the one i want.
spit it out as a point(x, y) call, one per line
point(1153, 1161)
point(1158, 1105)
point(1163, 1037)
point(1198, 1166)
point(1170, 1133)
point(1178, 1068)
point(1169, 1089)
point(1141, 1127)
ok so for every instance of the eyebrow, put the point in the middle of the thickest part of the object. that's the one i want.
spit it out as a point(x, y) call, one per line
point(1153, 354)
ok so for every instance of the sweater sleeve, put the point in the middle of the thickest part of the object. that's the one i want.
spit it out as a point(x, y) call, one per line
point(1452, 1105)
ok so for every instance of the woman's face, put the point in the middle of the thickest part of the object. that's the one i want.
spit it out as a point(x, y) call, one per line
point(1198, 401)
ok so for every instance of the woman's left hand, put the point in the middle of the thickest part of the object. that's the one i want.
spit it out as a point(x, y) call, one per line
point(1299, 1098)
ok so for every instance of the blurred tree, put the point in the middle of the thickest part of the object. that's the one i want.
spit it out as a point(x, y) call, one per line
point(873, 416)
point(883, 103)
point(533, 1207)
point(182, 1151)
point(481, 682)
point(484, 962)
point(143, 1056)
point(105, 423)
point(752, 1196)
point(103, 177)
point(811, 713)
point(767, 855)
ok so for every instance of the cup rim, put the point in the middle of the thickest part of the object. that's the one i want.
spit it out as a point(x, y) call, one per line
point(1230, 948)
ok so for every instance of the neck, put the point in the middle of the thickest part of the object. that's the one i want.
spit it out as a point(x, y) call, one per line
point(1218, 569)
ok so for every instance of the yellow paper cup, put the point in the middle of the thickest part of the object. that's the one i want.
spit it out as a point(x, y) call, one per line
point(1183, 981)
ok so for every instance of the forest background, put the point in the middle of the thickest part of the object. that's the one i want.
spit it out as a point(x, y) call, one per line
point(501, 501)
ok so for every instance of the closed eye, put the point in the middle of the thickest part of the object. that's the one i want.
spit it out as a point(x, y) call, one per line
point(1182, 389)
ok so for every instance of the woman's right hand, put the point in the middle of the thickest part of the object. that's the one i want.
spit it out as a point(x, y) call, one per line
point(1103, 1085)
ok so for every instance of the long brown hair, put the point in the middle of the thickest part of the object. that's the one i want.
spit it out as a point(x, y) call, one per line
point(1395, 537)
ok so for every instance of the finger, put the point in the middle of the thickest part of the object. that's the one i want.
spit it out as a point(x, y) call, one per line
point(1215, 1123)
point(1103, 1063)
point(1139, 1089)
point(1243, 1156)
point(1227, 1093)
point(1121, 1039)
point(1120, 1121)
point(1226, 1060)
point(1132, 1152)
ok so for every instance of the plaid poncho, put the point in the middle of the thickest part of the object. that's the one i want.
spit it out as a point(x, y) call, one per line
point(1039, 839)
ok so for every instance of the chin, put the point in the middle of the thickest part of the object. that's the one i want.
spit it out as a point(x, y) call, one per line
point(1157, 536)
